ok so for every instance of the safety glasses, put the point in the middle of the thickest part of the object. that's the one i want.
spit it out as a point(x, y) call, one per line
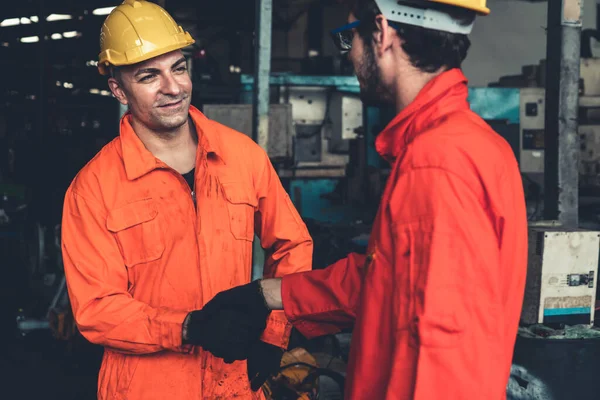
point(342, 36)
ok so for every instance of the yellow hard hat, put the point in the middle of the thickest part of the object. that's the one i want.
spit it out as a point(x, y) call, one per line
point(479, 6)
point(137, 31)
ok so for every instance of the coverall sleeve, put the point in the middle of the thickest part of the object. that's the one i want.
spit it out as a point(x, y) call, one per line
point(322, 302)
point(105, 313)
point(285, 238)
point(436, 222)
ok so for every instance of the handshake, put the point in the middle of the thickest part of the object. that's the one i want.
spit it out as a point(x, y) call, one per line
point(230, 325)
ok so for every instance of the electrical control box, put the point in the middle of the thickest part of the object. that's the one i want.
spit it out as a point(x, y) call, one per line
point(561, 276)
point(532, 121)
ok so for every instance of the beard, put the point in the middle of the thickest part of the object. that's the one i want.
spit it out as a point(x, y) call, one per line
point(372, 90)
point(168, 121)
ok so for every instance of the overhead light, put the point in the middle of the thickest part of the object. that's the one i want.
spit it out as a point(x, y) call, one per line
point(30, 39)
point(68, 85)
point(105, 93)
point(95, 91)
point(92, 63)
point(58, 17)
point(103, 10)
point(10, 22)
point(58, 83)
point(34, 18)
point(5, 44)
point(70, 34)
point(56, 36)
point(25, 21)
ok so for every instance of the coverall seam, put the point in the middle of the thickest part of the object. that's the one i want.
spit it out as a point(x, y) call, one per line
point(455, 174)
point(90, 202)
point(302, 318)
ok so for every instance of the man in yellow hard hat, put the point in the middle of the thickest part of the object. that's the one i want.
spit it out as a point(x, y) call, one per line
point(162, 219)
point(435, 303)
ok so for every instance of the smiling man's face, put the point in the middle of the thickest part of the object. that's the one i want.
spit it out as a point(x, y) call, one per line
point(157, 91)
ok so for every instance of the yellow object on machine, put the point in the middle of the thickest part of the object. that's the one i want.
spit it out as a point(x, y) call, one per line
point(293, 381)
point(62, 324)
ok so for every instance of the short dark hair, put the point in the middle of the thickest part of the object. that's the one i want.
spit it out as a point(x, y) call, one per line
point(428, 49)
point(115, 72)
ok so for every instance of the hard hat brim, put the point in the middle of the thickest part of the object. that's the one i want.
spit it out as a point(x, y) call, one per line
point(103, 68)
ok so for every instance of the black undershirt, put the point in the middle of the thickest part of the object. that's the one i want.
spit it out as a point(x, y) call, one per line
point(189, 178)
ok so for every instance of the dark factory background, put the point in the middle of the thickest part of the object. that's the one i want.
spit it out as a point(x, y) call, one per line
point(56, 113)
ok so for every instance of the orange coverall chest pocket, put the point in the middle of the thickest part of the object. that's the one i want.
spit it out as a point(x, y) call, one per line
point(138, 232)
point(240, 207)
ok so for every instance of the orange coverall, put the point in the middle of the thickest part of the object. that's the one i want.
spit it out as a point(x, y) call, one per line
point(436, 302)
point(138, 256)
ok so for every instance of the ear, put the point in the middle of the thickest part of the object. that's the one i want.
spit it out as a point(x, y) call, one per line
point(383, 36)
point(117, 90)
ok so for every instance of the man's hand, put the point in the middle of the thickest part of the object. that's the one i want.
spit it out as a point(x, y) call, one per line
point(230, 323)
point(247, 298)
point(227, 334)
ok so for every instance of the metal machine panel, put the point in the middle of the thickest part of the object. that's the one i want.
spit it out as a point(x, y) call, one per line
point(561, 277)
point(307, 146)
point(312, 199)
point(309, 104)
point(239, 117)
point(532, 122)
point(312, 118)
point(590, 76)
point(311, 98)
point(589, 160)
point(346, 114)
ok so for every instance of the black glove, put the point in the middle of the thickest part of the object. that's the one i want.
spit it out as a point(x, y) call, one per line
point(227, 334)
point(264, 360)
point(247, 299)
point(230, 323)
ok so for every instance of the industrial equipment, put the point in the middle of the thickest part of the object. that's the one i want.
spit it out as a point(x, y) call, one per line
point(327, 114)
point(520, 119)
point(562, 276)
point(239, 117)
point(589, 163)
point(332, 138)
point(291, 382)
point(531, 130)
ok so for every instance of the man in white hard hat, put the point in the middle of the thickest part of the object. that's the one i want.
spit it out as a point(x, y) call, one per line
point(162, 219)
point(435, 302)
